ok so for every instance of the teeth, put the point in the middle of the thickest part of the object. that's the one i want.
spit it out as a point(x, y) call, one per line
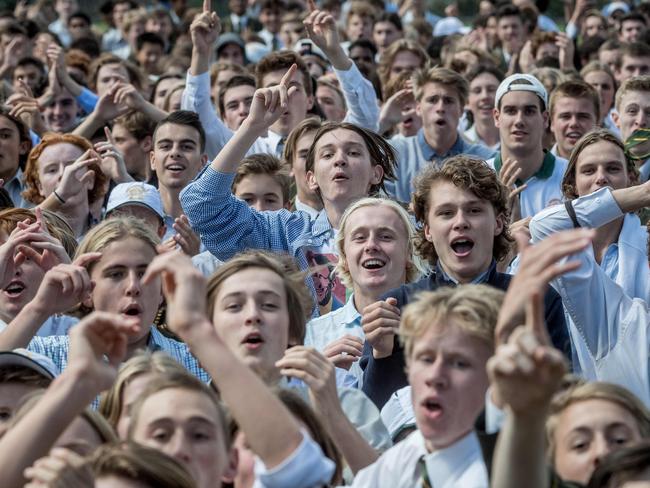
point(373, 263)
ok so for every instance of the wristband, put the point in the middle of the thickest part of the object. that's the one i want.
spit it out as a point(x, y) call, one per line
point(58, 197)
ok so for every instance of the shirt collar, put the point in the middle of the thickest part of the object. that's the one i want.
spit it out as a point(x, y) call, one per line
point(321, 224)
point(274, 139)
point(429, 153)
point(448, 463)
point(482, 278)
point(349, 313)
point(543, 173)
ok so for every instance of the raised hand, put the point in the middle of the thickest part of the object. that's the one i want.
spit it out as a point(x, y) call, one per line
point(539, 265)
point(205, 28)
point(97, 336)
point(184, 288)
point(508, 175)
point(112, 162)
point(62, 467)
point(526, 372)
point(344, 351)
point(322, 30)
point(567, 50)
point(380, 322)
point(65, 285)
point(188, 240)
point(270, 103)
point(392, 111)
point(77, 177)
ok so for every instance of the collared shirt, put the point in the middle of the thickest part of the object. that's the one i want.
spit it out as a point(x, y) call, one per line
point(360, 97)
point(113, 41)
point(15, 187)
point(57, 347)
point(54, 325)
point(206, 263)
point(228, 225)
point(544, 187)
point(610, 330)
point(471, 135)
point(59, 28)
point(459, 465)
point(327, 328)
point(414, 153)
point(303, 207)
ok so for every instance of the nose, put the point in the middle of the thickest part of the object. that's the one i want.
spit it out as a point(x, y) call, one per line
point(460, 220)
point(178, 448)
point(133, 286)
point(340, 158)
point(600, 448)
point(641, 118)
point(372, 243)
point(437, 374)
point(252, 314)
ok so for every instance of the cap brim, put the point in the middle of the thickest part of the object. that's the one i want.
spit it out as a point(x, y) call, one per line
point(10, 358)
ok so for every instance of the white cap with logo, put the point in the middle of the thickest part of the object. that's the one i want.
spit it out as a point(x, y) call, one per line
point(136, 193)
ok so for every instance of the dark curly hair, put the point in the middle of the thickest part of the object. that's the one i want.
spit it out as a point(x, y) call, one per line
point(473, 175)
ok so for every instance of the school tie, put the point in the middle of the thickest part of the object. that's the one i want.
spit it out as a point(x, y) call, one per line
point(280, 147)
point(638, 137)
point(424, 475)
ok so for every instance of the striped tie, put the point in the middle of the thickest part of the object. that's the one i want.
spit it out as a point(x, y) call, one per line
point(424, 475)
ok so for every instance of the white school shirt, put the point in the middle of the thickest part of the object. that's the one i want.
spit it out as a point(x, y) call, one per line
point(459, 465)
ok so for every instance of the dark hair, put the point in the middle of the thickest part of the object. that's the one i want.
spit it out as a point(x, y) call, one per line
point(508, 10)
point(631, 16)
point(31, 61)
point(137, 123)
point(365, 44)
point(283, 60)
point(469, 174)
point(621, 466)
point(24, 376)
point(161, 78)
point(481, 68)
point(273, 5)
point(148, 38)
point(237, 80)
point(265, 164)
point(633, 50)
point(80, 15)
point(23, 133)
point(391, 17)
point(88, 45)
point(381, 152)
point(184, 117)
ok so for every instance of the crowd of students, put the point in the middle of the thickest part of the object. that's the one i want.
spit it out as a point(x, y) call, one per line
point(316, 243)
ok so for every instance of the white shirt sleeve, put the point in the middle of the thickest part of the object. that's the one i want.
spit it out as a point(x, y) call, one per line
point(306, 467)
point(360, 98)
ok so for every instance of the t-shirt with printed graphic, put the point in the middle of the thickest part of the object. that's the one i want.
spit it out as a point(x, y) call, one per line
point(330, 292)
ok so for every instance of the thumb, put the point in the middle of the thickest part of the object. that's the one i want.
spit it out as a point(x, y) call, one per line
point(392, 301)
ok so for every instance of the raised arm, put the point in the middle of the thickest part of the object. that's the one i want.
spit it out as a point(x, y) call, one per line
point(97, 336)
point(360, 97)
point(524, 375)
point(273, 433)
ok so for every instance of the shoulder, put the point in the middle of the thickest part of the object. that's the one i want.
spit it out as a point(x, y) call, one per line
point(405, 293)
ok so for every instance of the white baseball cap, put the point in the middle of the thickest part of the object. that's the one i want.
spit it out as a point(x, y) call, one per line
point(136, 193)
point(31, 360)
point(449, 26)
point(521, 82)
point(612, 7)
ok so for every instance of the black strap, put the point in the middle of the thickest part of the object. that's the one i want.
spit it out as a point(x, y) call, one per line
point(572, 214)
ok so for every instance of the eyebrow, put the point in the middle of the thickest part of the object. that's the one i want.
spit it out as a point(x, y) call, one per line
point(345, 144)
point(238, 294)
point(182, 141)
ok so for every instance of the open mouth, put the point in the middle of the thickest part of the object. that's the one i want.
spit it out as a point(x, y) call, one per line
point(573, 136)
point(519, 133)
point(133, 310)
point(433, 408)
point(462, 247)
point(14, 289)
point(253, 341)
point(373, 263)
point(176, 168)
point(338, 177)
point(441, 122)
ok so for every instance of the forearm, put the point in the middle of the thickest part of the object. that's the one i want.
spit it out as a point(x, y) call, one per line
point(153, 112)
point(200, 62)
point(271, 430)
point(356, 451)
point(33, 436)
point(236, 148)
point(519, 458)
point(66, 80)
point(23, 327)
point(89, 126)
point(632, 198)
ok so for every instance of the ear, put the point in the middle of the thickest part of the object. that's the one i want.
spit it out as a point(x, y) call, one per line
point(152, 161)
point(24, 147)
point(230, 472)
point(377, 174)
point(311, 181)
point(545, 117)
point(146, 144)
point(495, 115)
point(418, 109)
point(204, 160)
point(310, 102)
point(500, 225)
point(162, 230)
point(616, 118)
point(427, 233)
point(88, 302)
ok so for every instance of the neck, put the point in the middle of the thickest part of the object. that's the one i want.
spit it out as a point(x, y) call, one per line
point(605, 236)
point(270, 377)
point(171, 201)
point(432, 445)
point(363, 298)
point(334, 212)
point(530, 161)
point(464, 280)
point(441, 142)
point(562, 153)
point(487, 131)
point(310, 199)
point(132, 348)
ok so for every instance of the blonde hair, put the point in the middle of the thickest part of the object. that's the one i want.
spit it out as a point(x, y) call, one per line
point(388, 57)
point(472, 308)
point(634, 84)
point(142, 464)
point(596, 390)
point(182, 381)
point(144, 362)
point(415, 265)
